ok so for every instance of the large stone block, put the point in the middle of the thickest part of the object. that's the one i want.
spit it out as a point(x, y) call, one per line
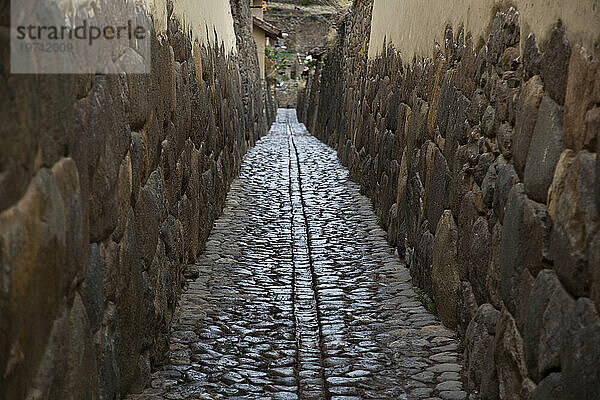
point(550, 388)
point(479, 259)
point(38, 125)
point(149, 212)
point(20, 113)
point(488, 186)
point(124, 195)
point(547, 306)
point(444, 271)
point(506, 178)
point(139, 87)
point(92, 293)
point(68, 368)
point(67, 181)
point(555, 64)
point(479, 337)
point(527, 113)
point(43, 253)
point(509, 357)
point(558, 181)
point(436, 187)
point(420, 268)
point(466, 307)
point(108, 141)
point(593, 251)
point(163, 278)
point(524, 247)
point(532, 59)
point(493, 281)
point(171, 175)
point(139, 167)
point(490, 387)
point(465, 220)
point(129, 304)
point(484, 161)
point(583, 93)
point(580, 352)
point(153, 135)
point(545, 150)
point(445, 102)
point(597, 184)
point(574, 225)
point(505, 33)
point(414, 202)
point(109, 339)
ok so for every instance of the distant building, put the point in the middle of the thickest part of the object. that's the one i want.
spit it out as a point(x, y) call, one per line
point(265, 34)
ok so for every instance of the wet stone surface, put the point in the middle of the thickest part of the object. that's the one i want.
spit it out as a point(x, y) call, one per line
point(299, 296)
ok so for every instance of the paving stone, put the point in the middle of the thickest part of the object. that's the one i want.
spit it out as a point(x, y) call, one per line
point(299, 296)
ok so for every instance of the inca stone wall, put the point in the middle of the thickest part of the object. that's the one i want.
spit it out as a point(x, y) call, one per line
point(109, 186)
point(481, 162)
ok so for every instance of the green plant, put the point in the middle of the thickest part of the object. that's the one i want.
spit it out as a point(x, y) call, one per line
point(307, 2)
point(310, 63)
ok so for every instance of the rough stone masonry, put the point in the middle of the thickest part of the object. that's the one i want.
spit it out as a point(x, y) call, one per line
point(482, 163)
point(109, 185)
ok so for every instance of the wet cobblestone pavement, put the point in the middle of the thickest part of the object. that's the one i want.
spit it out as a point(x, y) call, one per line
point(300, 296)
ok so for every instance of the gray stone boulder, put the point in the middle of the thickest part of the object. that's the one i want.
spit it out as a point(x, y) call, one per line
point(524, 247)
point(598, 170)
point(444, 272)
point(436, 186)
point(108, 141)
point(92, 291)
point(130, 308)
point(544, 151)
point(124, 194)
point(479, 337)
point(488, 186)
point(505, 140)
point(509, 357)
point(580, 352)
point(555, 64)
point(582, 95)
point(479, 259)
point(558, 182)
point(466, 307)
point(467, 216)
point(576, 220)
point(68, 367)
point(547, 306)
point(149, 212)
point(506, 178)
point(108, 340)
point(550, 388)
point(138, 84)
point(505, 33)
point(527, 112)
point(420, 268)
point(492, 280)
point(44, 252)
point(484, 161)
point(532, 58)
point(593, 252)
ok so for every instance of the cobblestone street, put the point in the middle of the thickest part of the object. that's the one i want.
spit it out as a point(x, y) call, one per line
point(299, 296)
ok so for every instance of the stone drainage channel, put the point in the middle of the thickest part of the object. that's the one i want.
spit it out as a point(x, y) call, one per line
point(299, 296)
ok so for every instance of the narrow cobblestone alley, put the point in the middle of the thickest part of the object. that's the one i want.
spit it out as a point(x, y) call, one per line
point(299, 296)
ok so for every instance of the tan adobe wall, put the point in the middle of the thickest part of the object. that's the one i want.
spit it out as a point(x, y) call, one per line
point(413, 26)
